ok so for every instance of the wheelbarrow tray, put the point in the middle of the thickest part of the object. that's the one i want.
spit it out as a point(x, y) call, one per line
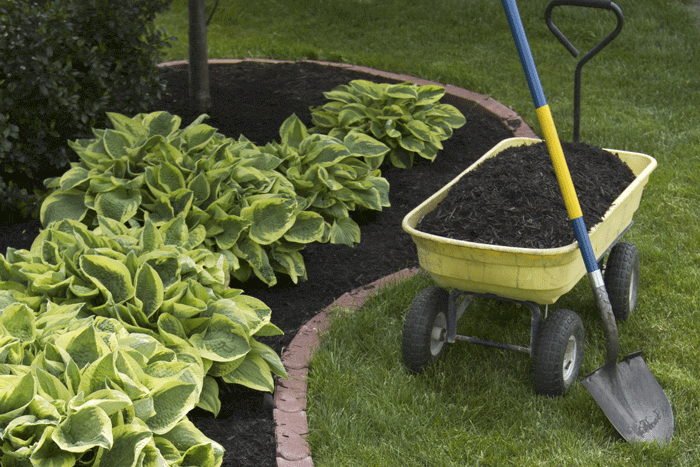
point(539, 275)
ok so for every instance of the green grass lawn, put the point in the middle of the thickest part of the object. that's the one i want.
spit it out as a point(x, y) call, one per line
point(476, 407)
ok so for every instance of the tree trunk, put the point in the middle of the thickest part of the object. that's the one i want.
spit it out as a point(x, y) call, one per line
point(200, 99)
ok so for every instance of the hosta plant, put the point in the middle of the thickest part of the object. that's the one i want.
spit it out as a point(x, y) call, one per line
point(229, 192)
point(406, 117)
point(82, 390)
point(156, 281)
point(333, 176)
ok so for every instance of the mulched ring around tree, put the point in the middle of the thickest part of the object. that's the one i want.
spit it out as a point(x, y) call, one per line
point(513, 199)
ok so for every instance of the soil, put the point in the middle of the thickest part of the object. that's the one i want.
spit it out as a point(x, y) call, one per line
point(493, 205)
point(254, 99)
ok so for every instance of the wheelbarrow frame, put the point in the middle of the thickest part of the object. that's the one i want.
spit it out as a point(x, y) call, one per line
point(525, 276)
point(455, 312)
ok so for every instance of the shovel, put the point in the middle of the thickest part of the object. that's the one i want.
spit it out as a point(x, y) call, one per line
point(628, 393)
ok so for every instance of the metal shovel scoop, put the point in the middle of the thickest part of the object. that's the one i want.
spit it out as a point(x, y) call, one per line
point(627, 392)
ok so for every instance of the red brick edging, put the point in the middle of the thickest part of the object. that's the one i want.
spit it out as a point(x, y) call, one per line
point(290, 395)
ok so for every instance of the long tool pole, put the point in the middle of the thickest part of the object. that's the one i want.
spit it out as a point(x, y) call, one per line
point(566, 185)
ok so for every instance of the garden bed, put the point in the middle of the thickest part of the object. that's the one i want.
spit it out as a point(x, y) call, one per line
point(253, 99)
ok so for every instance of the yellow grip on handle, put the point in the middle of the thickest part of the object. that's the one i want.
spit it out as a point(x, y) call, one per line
point(561, 170)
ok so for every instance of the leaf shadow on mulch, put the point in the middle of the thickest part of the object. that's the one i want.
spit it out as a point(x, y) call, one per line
point(253, 99)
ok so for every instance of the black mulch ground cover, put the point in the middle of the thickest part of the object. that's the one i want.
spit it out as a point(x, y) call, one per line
point(254, 99)
point(514, 200)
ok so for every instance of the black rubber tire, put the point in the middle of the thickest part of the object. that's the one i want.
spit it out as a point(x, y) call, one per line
point(622, 279)
point(428, 310)
point(558, 353)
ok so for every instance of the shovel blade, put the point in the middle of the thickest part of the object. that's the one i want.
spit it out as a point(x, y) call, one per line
point(632, 400)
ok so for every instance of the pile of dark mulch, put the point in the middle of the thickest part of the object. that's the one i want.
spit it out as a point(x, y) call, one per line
point(513, 199)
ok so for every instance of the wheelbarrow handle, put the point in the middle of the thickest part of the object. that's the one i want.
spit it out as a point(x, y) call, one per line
point(601, 4)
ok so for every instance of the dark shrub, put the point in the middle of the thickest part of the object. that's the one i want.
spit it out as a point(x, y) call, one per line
point(64, 63)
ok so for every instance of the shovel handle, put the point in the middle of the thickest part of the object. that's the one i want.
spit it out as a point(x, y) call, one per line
point(566, 185)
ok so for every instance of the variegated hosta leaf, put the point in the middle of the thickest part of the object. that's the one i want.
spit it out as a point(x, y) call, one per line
point(149, 289)
point(16, 393)
point(119, 204)
point(307, 228)
point(270, 219)
point(171, 402)
point(223, 340)
point(128, 126)
point(293, 132)
point(429, 94)
point(184, 435)
point(19, 322)
point(371, 150)
point(83, 345)
point(253, 372)
point(111, 276)
point(257, 259)
point(59, 205)
point(209, 397)
point(159, 123)
point(75, 176)
point(116, 143)
point(345, 231)
point(127, 447)
point(84, 429)
point(197, 136)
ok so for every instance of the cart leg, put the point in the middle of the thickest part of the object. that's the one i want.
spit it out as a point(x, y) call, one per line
point(455, 312)
point(535, 322)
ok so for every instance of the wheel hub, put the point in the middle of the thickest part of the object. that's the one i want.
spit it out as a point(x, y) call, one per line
point(568, 364)
point(437, 336)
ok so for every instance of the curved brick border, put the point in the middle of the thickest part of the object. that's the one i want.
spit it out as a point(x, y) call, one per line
point(290, 395)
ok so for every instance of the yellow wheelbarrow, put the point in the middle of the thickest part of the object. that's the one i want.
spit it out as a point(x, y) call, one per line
point(627, 391)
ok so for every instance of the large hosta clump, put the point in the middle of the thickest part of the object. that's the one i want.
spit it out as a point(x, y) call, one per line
point(230, 193)
point(156, 281)
point(81, 390)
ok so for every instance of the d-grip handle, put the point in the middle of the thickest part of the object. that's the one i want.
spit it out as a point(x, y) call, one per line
point(601, 4)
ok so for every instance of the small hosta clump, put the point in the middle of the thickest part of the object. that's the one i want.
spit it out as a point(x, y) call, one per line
point(408, 118)
point(334, 176)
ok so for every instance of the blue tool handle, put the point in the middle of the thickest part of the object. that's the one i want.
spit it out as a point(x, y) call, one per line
point(551, 137)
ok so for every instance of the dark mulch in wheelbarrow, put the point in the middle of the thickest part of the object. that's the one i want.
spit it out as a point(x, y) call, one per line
point(254, 99)
point(513, 199)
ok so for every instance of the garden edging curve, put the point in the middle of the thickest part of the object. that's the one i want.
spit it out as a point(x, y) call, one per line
point(291, 425)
